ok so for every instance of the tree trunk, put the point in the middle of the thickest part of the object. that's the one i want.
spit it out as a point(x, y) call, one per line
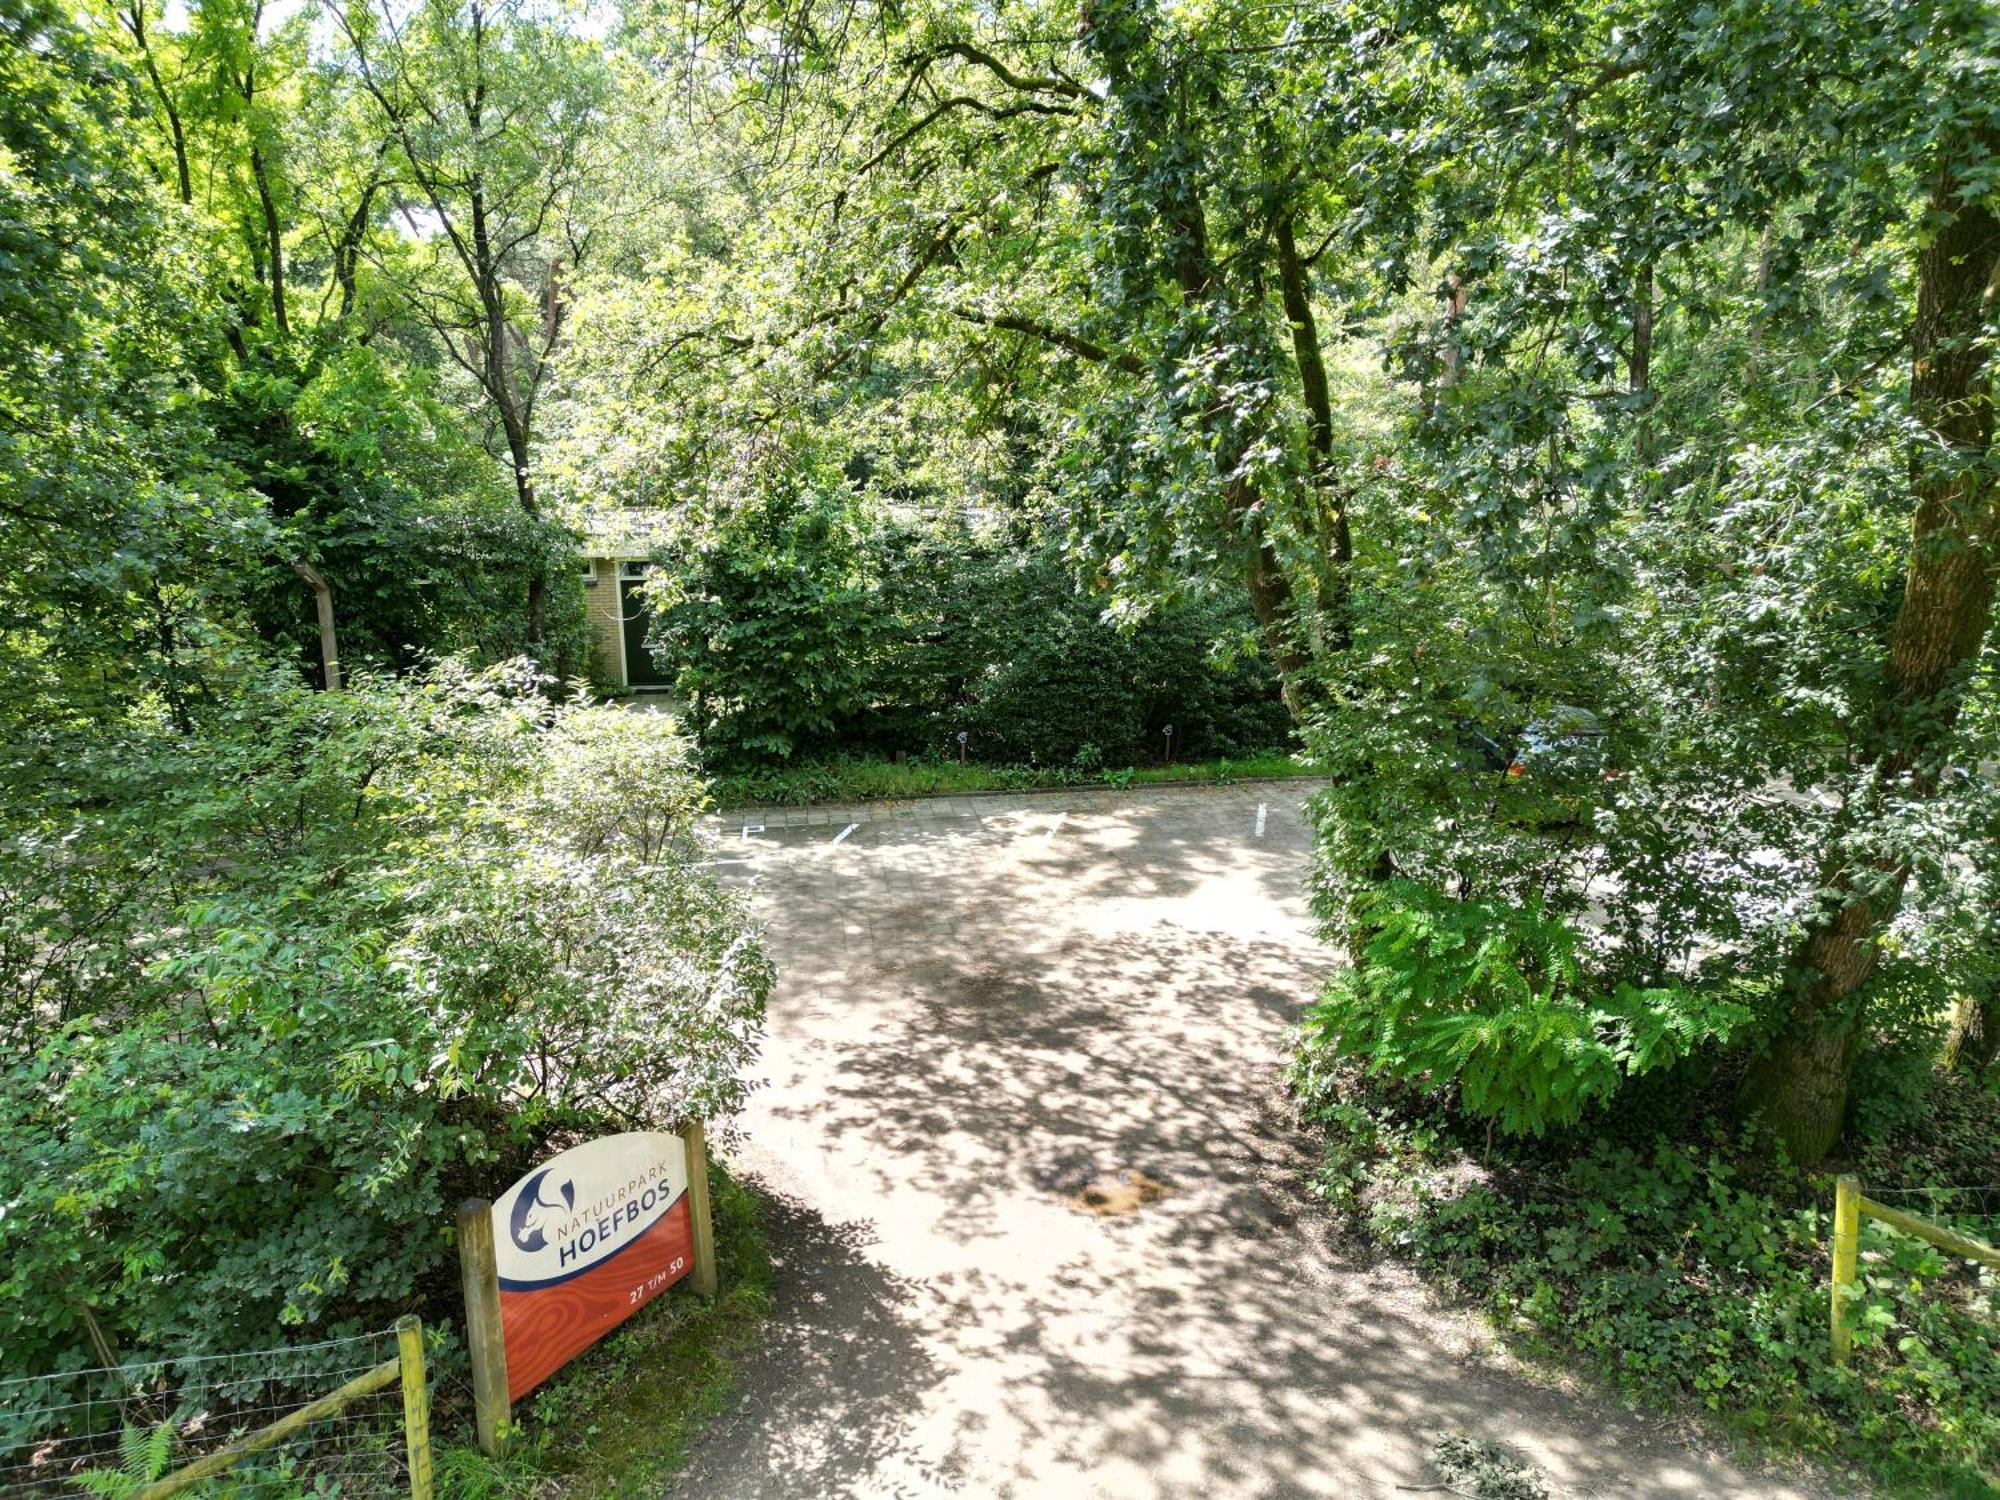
point(1800, 1088)
point(1275, 607)
point(1800, 1083)
point(1640, 364)
point(1188, 260)
point(135, 22)
point(274, 238)
point(1330, 524)
point(1975, 1040)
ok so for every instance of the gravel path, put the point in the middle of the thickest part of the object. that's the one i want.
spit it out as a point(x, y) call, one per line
point(993, 1013)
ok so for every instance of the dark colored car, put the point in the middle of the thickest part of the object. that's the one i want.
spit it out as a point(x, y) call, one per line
point(1567, 743)
point(1563, 752)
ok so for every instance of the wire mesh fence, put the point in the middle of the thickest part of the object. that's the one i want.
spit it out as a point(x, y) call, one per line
point(120, 1430)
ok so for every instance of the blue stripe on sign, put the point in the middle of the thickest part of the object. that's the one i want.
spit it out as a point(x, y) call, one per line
point(508, 1285)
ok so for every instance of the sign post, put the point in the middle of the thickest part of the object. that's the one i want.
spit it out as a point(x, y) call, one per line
point(484, 1342)
point(706, 1280)
point(574, 1249)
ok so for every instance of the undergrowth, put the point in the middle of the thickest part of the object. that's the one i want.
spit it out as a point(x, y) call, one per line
point(1693, 1265)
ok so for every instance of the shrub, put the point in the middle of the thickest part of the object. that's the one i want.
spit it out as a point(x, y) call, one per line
point(278, 992)
point(1495, 1000)
point(1693, 1268)
point(798, 628)
point(768, 628)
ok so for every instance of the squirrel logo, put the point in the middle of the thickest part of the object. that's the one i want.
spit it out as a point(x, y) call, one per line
point(524, 1225)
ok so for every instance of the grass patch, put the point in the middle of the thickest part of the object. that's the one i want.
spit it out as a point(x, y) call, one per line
point(621, 1418)
point(864, 778)
point(1689, 1266)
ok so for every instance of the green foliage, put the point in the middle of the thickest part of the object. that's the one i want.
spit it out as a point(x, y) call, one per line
point(867, 779)
point(1483, 1470)
point(1052, 679)
point(1692, 1270)
point(144, 1455)
point(279, 992)
point(372, 478)
point(793, 630)
point(767, 627)
point(1495, 1000)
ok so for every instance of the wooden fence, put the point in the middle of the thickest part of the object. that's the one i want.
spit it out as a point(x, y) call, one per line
point(405, 1366)
point(1849, 1204)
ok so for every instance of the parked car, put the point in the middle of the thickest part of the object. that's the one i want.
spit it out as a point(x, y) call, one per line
point(1564, 751)
point(1565, 742)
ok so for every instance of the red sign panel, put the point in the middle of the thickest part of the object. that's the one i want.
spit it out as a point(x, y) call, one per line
point(583, 1242)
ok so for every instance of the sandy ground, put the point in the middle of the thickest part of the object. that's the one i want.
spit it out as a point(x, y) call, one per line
point(994, 1011)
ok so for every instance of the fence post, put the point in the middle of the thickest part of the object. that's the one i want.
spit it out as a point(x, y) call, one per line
point(416, 1404)
point(1846, 1254)
point(706, 1280)
point(479, 1271)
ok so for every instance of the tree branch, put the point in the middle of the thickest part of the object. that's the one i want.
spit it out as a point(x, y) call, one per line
point(1061, 338)
point(1062, 87)
point(959, 101)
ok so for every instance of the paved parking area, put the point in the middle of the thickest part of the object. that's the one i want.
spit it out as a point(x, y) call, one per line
point(992, 1009)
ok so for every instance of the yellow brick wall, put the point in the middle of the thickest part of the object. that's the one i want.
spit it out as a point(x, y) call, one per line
point(600, 607)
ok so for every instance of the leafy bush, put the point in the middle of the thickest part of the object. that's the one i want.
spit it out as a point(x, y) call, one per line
point(1692, 1268)
point(798, 628)
point(1495, 1000)
point(278, 992)
point(767, 627)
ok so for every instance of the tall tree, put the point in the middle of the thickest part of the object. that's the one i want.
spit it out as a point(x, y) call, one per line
point(492, 112)
point(1147, 203)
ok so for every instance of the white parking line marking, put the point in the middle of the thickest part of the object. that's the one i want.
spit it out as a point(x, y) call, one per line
point(838, 839)
point(1260, 819)
point(1055, 828)
point(750, 828)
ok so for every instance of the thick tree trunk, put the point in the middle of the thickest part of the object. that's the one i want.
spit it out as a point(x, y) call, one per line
point(1800, 1084)
point(1275, 607)
point(1975, 1039)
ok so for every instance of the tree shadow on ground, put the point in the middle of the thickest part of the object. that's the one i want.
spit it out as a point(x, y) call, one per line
point(829, 1394)
point(971, 1027)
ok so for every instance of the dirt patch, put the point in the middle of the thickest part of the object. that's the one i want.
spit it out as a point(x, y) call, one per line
point(1119, 1193)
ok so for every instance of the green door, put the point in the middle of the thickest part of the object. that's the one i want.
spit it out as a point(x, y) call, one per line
point(640, 670)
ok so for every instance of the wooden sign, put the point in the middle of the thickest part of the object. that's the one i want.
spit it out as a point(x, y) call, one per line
point(574, 1249)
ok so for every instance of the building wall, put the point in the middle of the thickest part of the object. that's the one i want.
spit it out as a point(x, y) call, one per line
point(600, 607)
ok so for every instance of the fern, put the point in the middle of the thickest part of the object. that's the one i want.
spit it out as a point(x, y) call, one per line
point(143, 1456)
point(1494, 999)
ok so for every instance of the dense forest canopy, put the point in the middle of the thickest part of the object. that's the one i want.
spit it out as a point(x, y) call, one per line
point(1446, 371)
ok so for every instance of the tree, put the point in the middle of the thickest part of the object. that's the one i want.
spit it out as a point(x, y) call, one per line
point(1939, 629)
point(1637, 196)
point(491, 112)
point(1147, 202)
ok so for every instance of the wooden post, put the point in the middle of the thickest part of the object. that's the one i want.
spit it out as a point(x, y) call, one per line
point(416, 1404)
point(1846, 1254)
point(705, 1279)
point(479, 1270)
point(329, 649)
point(228, 1456)
point(1948, 1240)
